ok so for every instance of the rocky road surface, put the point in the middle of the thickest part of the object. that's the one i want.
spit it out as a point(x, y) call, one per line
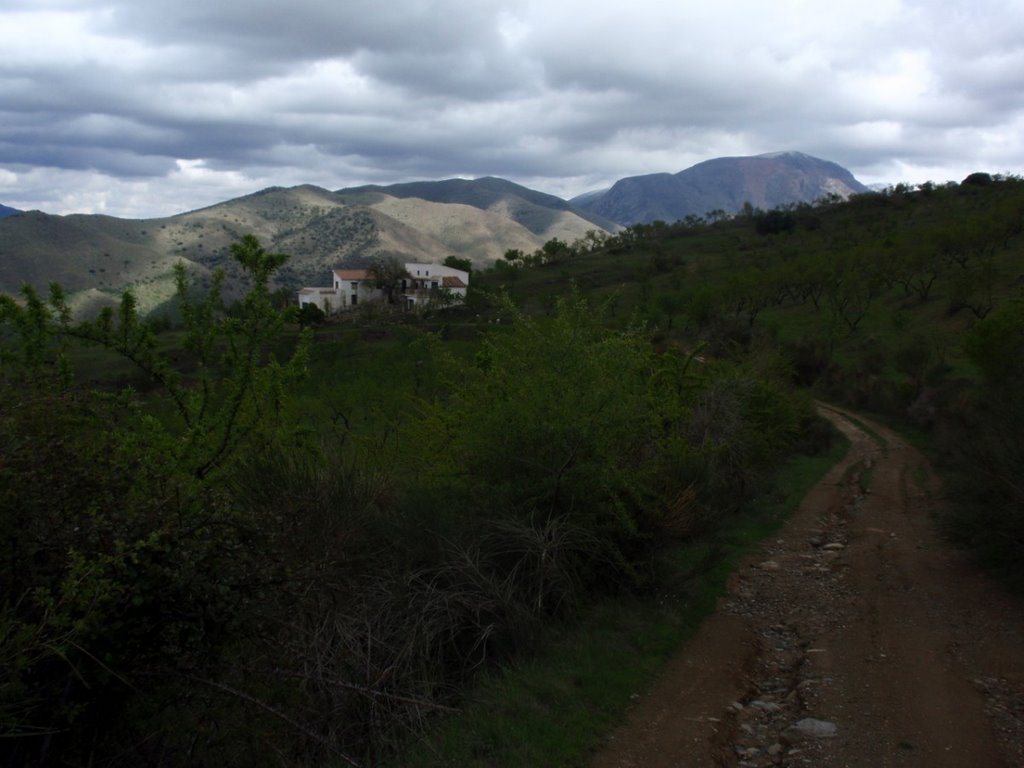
point(854, 638)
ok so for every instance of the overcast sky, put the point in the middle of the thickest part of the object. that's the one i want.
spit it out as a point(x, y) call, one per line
point(143, 108)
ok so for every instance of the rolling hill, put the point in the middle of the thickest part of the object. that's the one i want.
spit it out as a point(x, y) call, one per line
point(97, 257)
point(724, 183)
point(6, 210)
point(537, 211)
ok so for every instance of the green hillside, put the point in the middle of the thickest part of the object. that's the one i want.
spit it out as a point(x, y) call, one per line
point(873, 271)
point(907, 303)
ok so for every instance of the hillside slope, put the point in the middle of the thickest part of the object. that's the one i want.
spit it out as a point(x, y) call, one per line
point(320, 229)
point(539, 212)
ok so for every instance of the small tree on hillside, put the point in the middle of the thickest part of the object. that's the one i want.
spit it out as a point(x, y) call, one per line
point(389, 272)
point(458, 263)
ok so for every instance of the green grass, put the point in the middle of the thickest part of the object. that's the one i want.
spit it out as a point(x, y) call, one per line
point(867, 477)
point(922, 481)
point(555, 708)
point(869, 431)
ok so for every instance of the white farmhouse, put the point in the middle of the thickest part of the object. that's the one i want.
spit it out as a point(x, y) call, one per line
point(426, 283)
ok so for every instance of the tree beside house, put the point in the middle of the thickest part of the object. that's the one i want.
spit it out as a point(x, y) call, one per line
point(419, 285)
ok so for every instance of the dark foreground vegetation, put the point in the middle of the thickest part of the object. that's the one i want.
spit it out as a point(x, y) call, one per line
point(236, 542)
point(228, 563)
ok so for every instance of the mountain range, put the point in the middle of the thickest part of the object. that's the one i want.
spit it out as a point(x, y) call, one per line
point(96, 257)
point(7, 211)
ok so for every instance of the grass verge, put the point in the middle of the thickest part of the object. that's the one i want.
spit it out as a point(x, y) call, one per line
point(555, 708)
point(872, 433)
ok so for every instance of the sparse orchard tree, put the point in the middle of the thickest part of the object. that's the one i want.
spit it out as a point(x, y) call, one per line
point(389, 272)
point(455, 262)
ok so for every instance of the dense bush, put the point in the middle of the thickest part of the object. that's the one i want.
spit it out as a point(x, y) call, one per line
point(126, 568)
point(988, 461)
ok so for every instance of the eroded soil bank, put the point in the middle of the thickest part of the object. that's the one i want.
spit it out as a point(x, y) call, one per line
point(854, 638)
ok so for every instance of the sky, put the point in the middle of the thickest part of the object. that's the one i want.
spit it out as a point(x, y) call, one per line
point(146, 108)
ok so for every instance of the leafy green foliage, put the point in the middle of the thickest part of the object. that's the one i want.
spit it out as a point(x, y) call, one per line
point(562, 418)
point(388, 272)
point(310, 314)
point(455, 262)
point(989, 509)
point(125, 566)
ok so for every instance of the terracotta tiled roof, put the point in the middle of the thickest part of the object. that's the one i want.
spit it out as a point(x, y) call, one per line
point(453, 282)
point(352, 274)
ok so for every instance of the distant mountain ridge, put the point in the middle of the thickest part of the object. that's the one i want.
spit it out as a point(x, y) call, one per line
point(725, 183)
point(7, 211)
point(487, 193)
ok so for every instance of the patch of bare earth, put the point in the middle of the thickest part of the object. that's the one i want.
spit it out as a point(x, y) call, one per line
point(854, 638)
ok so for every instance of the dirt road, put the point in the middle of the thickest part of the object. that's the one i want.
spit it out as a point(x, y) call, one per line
point(853, 638)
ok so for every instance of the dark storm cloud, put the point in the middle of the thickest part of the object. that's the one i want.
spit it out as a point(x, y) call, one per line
point(139, 105)
point(310, 29)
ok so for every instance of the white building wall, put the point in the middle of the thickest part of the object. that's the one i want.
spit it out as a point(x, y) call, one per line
point(346, 293)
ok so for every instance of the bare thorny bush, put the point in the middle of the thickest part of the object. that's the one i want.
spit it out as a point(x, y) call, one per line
point(370, 661)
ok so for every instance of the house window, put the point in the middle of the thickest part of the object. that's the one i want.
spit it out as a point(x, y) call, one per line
point(355, 287)
point(355, 299)
point(434, 284)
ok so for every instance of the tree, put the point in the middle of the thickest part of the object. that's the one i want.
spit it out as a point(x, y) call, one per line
point(989, 492)
point(310, 314)
point(466, 265)
point(773, 222)
point(553, 421)
point(671, 304)
point(977, 179)
point(442, 297)
point(555, 250)
point(389, 272)
point(593, 241)
point(125, 566)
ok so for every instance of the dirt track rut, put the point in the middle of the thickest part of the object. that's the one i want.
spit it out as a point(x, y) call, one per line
point(854, 638)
